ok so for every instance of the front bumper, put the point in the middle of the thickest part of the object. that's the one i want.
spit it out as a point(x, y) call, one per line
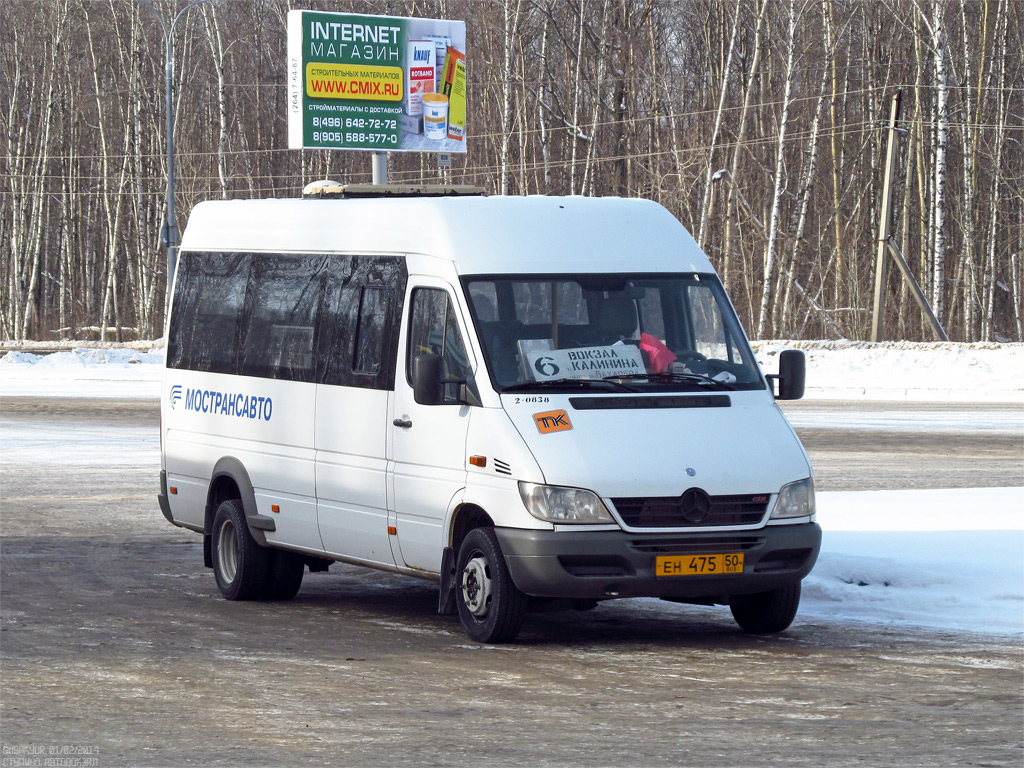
point(605, 564)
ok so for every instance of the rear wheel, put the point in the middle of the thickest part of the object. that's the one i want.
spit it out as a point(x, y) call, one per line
point(490, 605)
point(240, 565)
point(766, 613)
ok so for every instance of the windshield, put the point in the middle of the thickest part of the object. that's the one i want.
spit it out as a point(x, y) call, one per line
point(636, 332)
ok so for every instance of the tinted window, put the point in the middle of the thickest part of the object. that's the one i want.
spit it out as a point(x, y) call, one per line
point(328, 319)
point(373, 318)
point(338, 323)
point(209, 296)
point(281, 314)
point(359, 337)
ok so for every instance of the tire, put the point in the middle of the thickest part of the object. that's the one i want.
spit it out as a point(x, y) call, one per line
point(766, 613)
point(240, 565)
point(490, 605)
point(285, 577)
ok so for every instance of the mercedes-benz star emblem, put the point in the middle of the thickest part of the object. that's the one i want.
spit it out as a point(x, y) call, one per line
point(696, 505)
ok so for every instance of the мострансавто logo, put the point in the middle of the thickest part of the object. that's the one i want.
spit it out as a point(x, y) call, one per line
point(224, 403)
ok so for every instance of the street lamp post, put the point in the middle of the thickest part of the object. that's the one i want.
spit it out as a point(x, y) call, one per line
point(169, 232)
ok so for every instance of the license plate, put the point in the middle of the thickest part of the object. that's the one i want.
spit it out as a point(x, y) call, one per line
point(698, 565)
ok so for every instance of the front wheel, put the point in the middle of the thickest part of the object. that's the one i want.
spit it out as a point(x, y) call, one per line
point(766, 613)
point(490, 605)
point(240, 565)
point(285, 575)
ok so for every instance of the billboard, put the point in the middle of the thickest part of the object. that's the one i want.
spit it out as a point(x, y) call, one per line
point(381, 83)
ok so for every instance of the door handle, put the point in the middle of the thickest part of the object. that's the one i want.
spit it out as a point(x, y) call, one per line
point(403, 423)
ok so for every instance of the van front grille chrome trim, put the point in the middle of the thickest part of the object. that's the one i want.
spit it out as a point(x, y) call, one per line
point(694, 508)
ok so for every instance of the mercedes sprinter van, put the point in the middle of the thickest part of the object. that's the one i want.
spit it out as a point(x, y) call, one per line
point(538, 402)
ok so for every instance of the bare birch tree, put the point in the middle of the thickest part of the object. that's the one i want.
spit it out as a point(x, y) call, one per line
point(773, 221)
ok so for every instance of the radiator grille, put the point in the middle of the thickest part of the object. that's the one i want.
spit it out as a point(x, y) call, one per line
point(692, 510)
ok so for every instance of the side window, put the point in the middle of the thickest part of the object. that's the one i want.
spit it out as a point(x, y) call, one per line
point(281, 316)
point(433, 329)
point(209, 297)
point(338, 323)
point(317, 318)
point(186, 296)
point(358, 327)
point(373, 316)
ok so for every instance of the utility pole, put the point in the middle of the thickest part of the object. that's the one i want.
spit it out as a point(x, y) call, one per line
point(169, 231)
point(885, 221)
point(887, 243)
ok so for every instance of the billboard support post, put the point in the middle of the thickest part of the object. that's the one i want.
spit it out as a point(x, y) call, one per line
point(380, 168)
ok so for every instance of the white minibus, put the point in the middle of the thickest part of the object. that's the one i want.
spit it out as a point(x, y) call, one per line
point(538, 402)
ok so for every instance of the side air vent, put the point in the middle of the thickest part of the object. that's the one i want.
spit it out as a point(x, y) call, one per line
point(502, 467)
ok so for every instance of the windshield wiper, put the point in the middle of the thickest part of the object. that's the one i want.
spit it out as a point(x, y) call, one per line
point(667, 377)
point(608, 383)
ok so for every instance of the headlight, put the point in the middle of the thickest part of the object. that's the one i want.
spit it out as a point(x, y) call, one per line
point(564, 505)
point(795, 500)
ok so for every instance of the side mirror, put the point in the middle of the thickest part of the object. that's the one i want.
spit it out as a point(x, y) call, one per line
point(792, 374)
point(427, 377)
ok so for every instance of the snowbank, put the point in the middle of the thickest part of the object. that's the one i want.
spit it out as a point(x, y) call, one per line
point(950, 559)
point(83, 372)
point(901, 370)
point(835, 370)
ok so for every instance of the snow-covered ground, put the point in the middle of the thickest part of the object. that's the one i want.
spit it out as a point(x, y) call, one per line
point(83, 372)
point(901, 370)
point(950, 559)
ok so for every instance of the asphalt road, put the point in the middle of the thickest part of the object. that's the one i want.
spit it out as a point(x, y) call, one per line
point(887, 446)
point(116, 648)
